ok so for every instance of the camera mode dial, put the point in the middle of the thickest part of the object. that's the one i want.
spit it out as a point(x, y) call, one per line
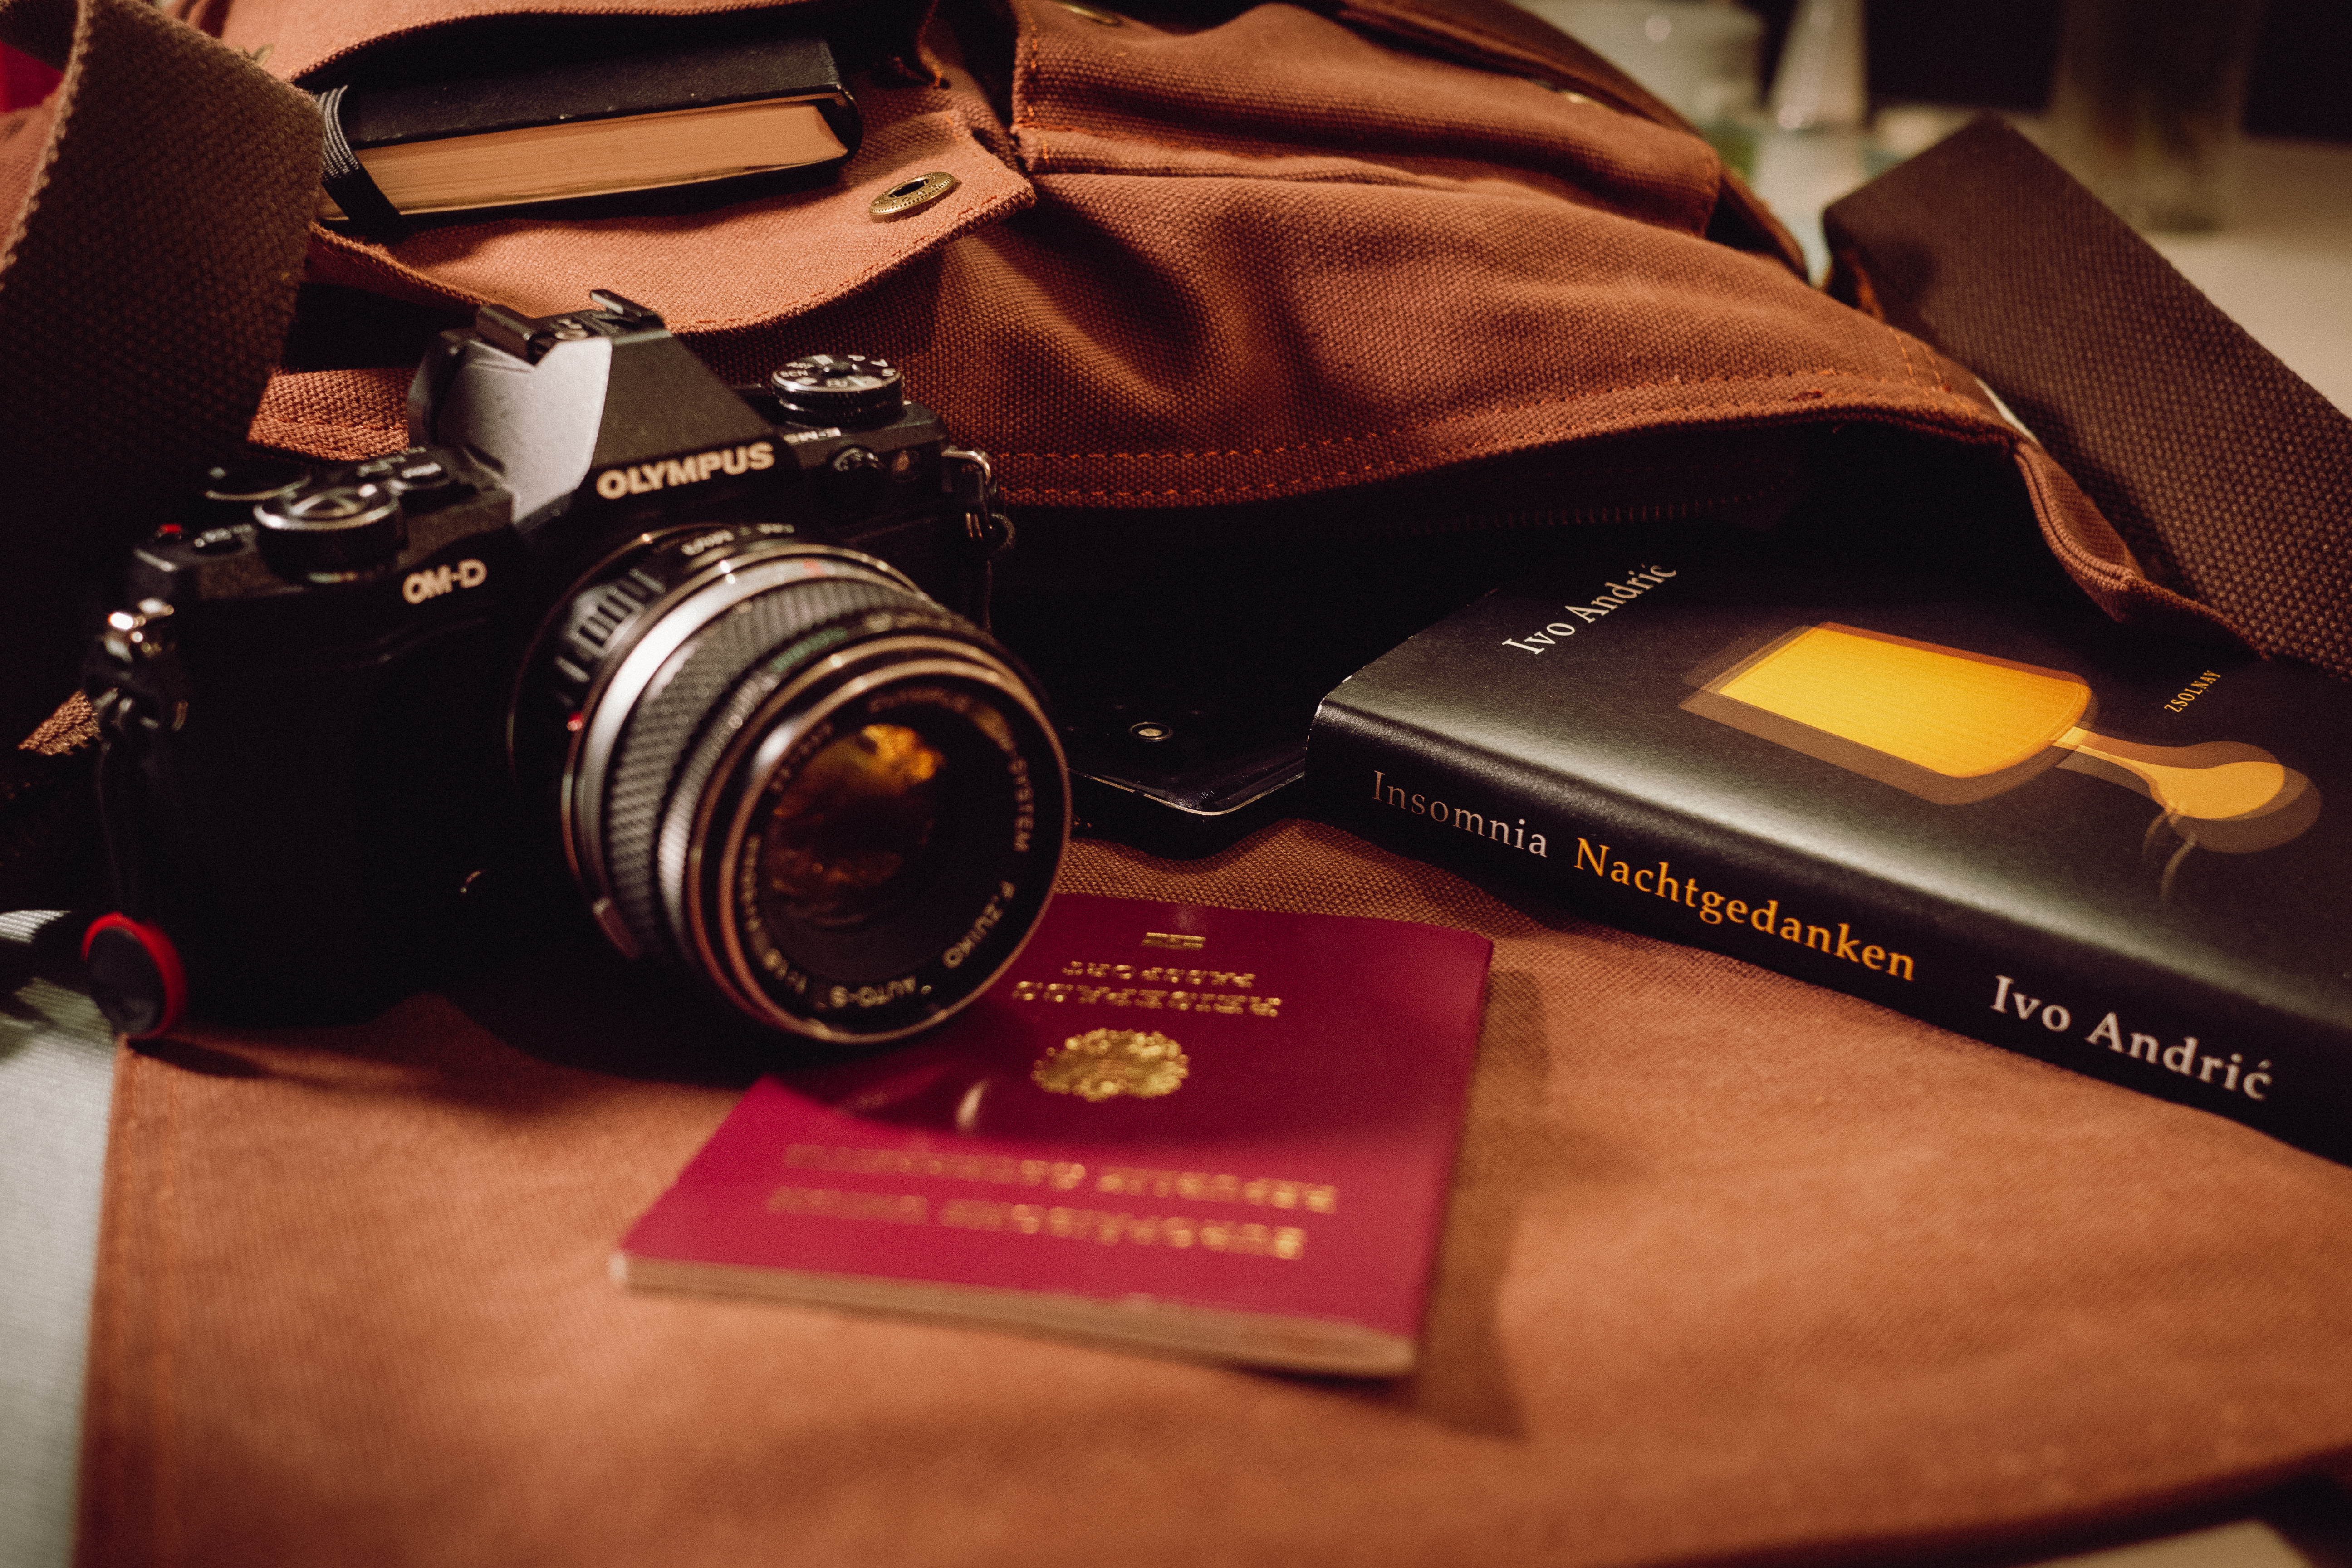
point(332, 530)
point(233, 490)
point(848, 390)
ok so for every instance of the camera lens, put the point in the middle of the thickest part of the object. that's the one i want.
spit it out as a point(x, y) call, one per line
point(783, 769)
point(840, 835)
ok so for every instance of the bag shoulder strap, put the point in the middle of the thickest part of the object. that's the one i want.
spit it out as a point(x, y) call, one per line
point(2230, 477)
point(146, 284)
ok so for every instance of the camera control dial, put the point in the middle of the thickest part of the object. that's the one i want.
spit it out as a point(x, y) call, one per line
point(332, 530)
point(233, 490)
point(848, 390)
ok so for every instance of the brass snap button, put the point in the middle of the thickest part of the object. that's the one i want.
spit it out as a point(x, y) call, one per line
point(1095, 14)
point(919, 192)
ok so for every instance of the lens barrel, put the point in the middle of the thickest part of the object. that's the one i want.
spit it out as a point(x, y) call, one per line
point(780, 768)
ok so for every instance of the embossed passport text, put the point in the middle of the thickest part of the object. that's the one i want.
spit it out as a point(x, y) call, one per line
point(1212, 1132)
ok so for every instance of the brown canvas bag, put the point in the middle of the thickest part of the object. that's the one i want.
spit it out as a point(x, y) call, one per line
point(1240, 300)
point(1190, 264)
point(1733, 1267)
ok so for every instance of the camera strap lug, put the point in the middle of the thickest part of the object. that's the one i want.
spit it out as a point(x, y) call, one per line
point(142, 634)
point(146, 690)
point(973, 481)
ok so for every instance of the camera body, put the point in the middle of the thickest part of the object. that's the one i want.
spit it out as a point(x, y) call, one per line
point(703, 638)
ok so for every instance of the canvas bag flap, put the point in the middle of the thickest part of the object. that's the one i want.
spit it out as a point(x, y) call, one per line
point(1163, 330)
point(1311, 295)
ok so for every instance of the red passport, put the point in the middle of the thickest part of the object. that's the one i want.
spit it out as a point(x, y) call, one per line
point(1214, 1133)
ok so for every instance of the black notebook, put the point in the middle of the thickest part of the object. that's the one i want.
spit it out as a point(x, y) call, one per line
point(730, 118)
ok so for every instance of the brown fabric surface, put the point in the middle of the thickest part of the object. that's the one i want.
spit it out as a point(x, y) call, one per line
point(1498, 34)
point(1239, 279)
point(1204, 265)
point(1732, 1265)
point(2227, 474)
point(146, 279)
point(2095, 556)
point(346, 415)
point(708, 273)
point(23, 142)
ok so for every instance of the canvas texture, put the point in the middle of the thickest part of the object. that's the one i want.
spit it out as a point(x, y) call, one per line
point(1733, 1267)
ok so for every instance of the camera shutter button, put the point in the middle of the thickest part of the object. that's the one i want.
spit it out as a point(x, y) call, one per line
point(331, 530)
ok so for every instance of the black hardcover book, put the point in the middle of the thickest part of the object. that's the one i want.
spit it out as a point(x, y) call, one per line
point(2127, 856)
point(730, 118)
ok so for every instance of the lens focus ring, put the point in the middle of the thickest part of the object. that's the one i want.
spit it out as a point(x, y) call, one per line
point(796, 779)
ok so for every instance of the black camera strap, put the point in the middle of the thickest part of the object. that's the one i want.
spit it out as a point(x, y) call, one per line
point(364, 206)
point(146, 283)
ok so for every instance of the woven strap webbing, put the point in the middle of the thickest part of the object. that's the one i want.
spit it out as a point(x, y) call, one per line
point(2227, 474)
point(146, 282)
point(145, 287)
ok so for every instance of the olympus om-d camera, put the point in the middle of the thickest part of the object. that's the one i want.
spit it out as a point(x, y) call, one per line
point(702, 639)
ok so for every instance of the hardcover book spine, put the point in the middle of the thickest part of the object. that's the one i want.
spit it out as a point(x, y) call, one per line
point(1637, 863)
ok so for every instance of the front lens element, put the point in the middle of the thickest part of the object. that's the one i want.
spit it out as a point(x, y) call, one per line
point(880, 850)
point(845, 837)
point(833, 802)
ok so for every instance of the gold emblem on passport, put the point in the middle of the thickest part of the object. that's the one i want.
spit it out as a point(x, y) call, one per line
point(1103, 1064)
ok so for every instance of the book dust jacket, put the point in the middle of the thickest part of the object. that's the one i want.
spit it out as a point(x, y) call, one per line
point(2127, 856)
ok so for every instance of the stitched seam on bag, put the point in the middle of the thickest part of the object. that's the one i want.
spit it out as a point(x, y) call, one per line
point(1028, 494)
point(1902, 348)
point(1023, 493)
point(2128, 586)
point(1928, 357)
point(1203, 144)
point(1936, 363)
point(1801, 394)
point(1025, 87)
point(2120, 575)
point(105, 1471)
point(985, 211)
point(1534, 182)
point(167, 1327)
point(1493, 409)
point(1484, 179)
